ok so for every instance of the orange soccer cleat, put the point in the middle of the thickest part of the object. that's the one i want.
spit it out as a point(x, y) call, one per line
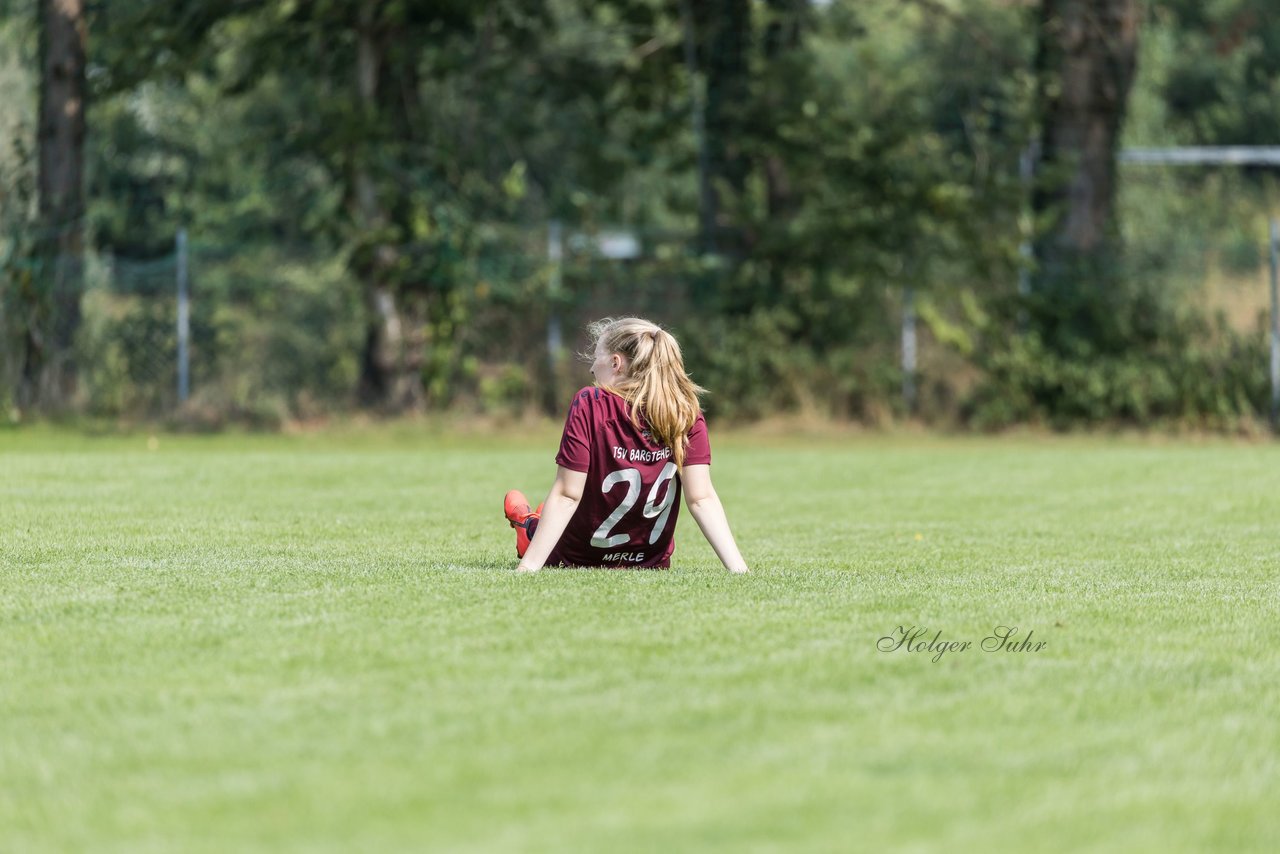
point(522, 517)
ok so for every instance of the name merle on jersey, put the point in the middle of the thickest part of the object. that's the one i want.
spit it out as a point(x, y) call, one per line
point(624, 557)
point(640, 455)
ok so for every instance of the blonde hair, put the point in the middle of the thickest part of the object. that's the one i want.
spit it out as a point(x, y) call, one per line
point(655, 383)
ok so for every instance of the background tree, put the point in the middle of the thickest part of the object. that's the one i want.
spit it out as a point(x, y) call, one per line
point(368, 188)
point(52, 303)
point(1086, 59)
point(1224, 76)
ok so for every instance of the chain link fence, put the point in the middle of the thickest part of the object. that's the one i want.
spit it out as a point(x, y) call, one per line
point(274, 333)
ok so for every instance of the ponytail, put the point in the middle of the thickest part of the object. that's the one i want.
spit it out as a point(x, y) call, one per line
point(656, 384)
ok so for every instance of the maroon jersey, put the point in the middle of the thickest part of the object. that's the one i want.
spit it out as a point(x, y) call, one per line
point(627, 516)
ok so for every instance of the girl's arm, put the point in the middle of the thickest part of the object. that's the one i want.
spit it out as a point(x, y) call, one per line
point(701, 499)
point(557, 510)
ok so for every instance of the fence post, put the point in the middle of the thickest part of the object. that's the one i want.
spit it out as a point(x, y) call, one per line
point(1026, 227)
point(184, 320)
point(1026, 175)
point(555, 338)
point(909, 348)
point(1275, 325)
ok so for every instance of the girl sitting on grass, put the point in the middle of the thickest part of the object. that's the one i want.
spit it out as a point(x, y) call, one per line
point(631, 444)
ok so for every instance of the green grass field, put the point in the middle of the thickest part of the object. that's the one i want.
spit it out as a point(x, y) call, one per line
point(317, 642)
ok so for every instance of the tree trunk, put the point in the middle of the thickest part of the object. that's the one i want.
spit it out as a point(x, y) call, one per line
point(728, 91)
point(698, 116)
point(48, 374)
point(1085, 64)
point(782, 36)
point(390, 368)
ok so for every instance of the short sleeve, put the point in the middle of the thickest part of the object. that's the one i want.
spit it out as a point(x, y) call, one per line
point(698, 453)
point(575, 443)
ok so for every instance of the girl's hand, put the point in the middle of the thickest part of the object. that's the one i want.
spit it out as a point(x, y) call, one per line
point(701, 499)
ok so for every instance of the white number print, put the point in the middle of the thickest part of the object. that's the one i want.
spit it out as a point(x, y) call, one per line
point(660, 509)
point(653, 508)
point(601, 539)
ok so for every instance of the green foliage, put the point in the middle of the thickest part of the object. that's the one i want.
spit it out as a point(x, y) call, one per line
point(1223, 80)
point(20, 298)
point(778, 357)
point(271, 337)
point(1175, 366)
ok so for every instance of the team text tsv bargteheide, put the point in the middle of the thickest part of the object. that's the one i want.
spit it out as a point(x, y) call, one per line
point(640, 455)
point(917, 639)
